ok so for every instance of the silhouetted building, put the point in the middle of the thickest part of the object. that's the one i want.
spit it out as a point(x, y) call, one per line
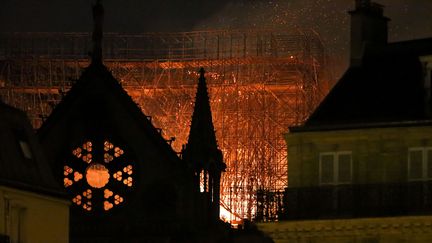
point(33, 207)
point(125, 181)
point(360, 167)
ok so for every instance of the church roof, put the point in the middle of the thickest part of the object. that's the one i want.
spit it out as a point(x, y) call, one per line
point(387, 88)
point(97, 81)
point(22, 163)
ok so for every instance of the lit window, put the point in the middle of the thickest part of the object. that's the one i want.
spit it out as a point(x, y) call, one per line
point(203, 181)
point(67, 170)
point(93, 182)
point(67, 182)
point(118, 152)
point(77, 200)
point(128, 181)
point(335, 168)
point(420, 164)
point(87, 194)
point(128, 169)
point(118, 175)
point(77, 176)
point(108, 205)
point(118, 199)
point(108, 193)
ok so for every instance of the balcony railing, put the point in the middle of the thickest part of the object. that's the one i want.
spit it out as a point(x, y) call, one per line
point(351, 201)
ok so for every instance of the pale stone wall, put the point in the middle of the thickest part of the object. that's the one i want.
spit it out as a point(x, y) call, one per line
point(33, 218)
point(412, 229)
point(379, 155)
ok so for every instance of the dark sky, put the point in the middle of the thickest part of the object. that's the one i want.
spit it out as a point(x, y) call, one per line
point(410, 18)
point(121, 15)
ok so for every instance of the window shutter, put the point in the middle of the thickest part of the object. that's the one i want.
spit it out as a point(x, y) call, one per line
point(344, 168)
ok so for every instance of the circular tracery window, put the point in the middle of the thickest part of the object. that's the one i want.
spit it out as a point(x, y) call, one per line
point(98, 176)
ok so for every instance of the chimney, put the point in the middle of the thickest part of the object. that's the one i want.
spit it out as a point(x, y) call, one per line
point(368, 28)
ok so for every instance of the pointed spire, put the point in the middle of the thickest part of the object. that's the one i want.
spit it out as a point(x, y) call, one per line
point(202, 134)
point(98, 16)
point(202, 151)
point(202, 148)
point(202, 72)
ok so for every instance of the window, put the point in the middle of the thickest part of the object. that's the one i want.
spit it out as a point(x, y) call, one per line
point(15, 221)
point(25, 149)
point(335, 168)
point(98, 175)
point(420, 164)
point(23, 144)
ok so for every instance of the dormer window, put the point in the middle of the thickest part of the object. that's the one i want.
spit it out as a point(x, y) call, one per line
point(25, 149)
point(23, 143)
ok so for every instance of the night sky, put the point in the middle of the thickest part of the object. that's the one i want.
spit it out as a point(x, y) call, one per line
point(410, 18)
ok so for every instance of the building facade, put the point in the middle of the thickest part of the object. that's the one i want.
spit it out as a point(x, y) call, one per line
point(33, 207)
point(360, 167)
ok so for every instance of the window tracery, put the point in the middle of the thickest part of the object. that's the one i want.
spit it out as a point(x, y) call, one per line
point(96, 183)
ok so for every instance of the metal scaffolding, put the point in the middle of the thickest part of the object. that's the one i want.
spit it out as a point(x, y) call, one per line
point(260, 82)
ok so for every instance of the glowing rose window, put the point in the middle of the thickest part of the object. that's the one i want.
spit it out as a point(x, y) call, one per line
point(98, 176)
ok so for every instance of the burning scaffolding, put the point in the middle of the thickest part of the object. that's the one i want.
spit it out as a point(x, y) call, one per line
point(260, 82)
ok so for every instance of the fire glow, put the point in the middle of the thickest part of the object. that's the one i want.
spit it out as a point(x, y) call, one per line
point(260, 82)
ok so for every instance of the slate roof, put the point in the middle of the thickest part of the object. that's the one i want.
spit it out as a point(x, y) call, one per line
point(387, 88)
point(17, 171)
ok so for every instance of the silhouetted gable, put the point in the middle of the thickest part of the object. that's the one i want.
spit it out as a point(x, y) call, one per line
point(97, 112)
point(386, 87)
point(97, 100)
point(22, 164)
point(91, 93)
